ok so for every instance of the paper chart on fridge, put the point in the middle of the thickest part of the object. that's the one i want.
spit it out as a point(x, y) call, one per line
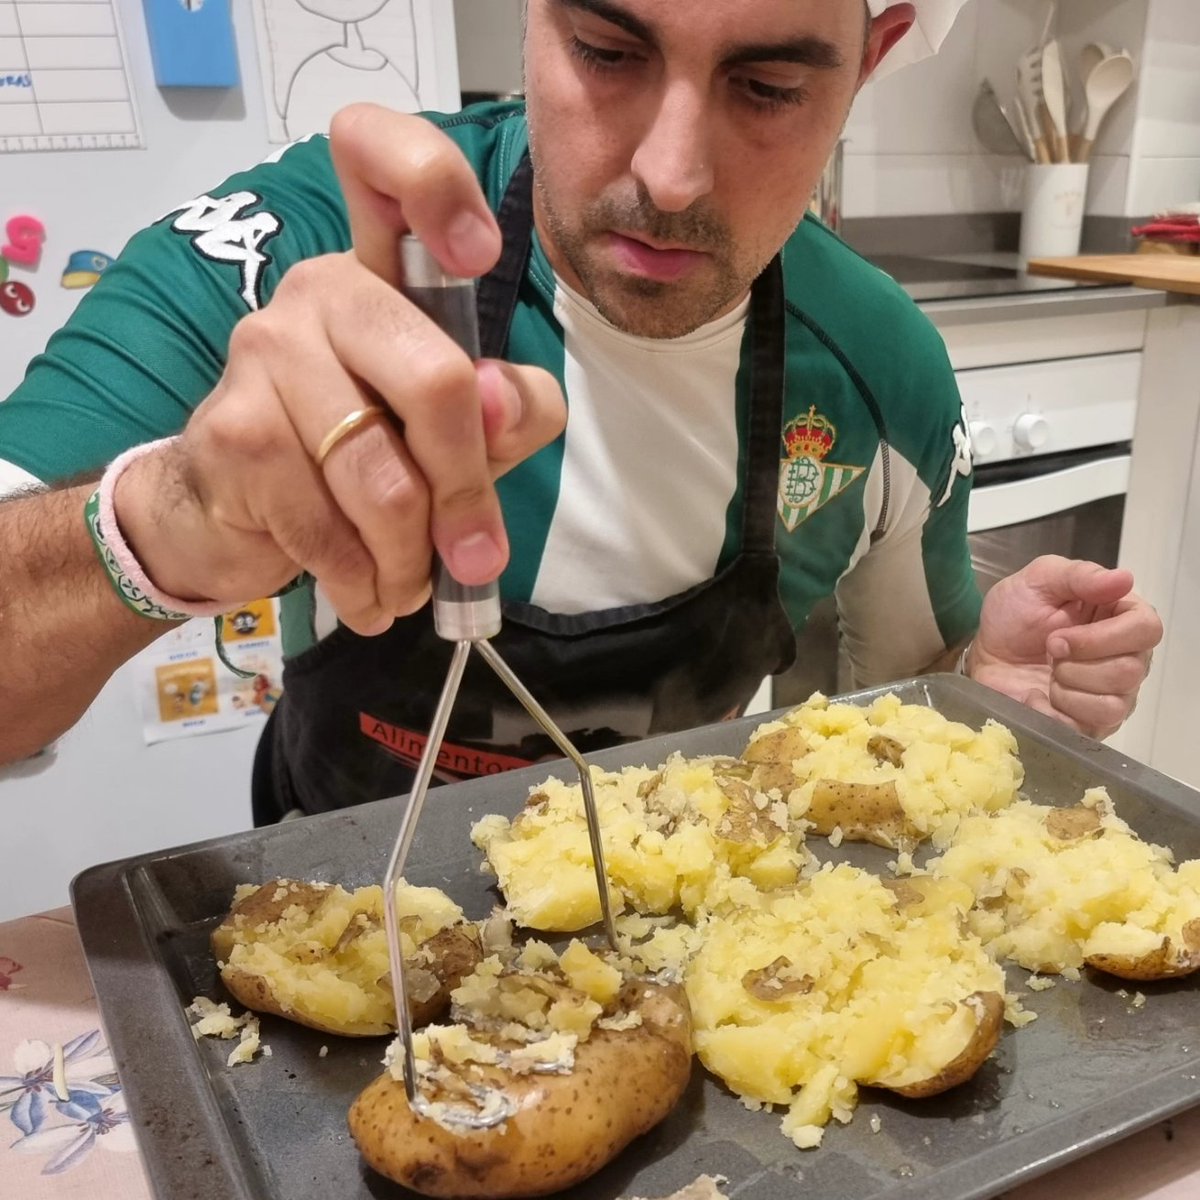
point(64, 77)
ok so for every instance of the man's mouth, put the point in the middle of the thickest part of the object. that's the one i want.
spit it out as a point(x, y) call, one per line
point(662, 262)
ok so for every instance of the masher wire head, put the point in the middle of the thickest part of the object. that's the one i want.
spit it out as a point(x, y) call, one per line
point(473, 1118)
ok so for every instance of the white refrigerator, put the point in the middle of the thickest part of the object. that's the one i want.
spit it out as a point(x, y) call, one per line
point(101, 792)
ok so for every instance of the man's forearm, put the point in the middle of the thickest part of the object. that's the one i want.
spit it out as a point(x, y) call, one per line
point(63, 630)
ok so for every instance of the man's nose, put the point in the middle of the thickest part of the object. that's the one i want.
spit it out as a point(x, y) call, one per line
point(674, 160)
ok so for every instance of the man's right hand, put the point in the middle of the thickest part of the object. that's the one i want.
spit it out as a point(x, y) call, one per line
point(237, 506)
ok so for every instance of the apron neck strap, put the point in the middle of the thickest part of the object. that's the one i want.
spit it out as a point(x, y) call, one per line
point(496, 298)
point(767, 383)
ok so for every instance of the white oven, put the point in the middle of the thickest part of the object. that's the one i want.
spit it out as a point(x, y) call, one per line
point(1050, 442)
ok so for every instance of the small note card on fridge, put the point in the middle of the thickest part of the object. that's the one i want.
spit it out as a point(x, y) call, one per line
point(192, 43)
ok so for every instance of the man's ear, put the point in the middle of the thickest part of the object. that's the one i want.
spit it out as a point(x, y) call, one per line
point(885, 31)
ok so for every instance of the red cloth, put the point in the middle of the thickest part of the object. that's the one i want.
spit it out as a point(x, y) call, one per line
point(1171, 227)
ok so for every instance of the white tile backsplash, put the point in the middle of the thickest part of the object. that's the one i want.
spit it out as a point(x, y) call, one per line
point(1159, 183)
point(916, 184)
point(1108, 185)
point(1169, 106)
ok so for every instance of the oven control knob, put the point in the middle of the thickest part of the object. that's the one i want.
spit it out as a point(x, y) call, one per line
point(983, 439)
point(1031, 431)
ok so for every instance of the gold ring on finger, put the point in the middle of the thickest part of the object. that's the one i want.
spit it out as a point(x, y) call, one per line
point(345, 427)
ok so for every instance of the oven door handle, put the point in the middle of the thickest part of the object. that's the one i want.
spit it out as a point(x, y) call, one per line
point(994, 506)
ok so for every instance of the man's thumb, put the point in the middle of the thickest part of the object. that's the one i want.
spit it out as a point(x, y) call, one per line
point(1066, 579)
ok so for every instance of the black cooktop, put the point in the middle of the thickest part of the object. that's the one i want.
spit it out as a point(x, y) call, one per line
point(951, 279)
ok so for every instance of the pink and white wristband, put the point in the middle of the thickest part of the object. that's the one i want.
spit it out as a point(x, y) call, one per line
point(129, 579)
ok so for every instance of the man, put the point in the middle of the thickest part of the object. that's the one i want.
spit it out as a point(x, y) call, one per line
point(748, 430)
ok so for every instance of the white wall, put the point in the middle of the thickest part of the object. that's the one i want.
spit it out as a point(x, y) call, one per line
point(489, 45)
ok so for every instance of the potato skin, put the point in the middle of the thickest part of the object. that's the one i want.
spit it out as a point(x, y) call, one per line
point(990, 1012)
point(566, 1127)
point(864, 812)
point(1169, 961)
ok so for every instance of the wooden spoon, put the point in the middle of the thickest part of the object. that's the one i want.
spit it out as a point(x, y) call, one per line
point(1105, 85)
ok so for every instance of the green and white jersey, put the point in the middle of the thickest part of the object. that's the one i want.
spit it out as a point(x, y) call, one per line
point(642, 496)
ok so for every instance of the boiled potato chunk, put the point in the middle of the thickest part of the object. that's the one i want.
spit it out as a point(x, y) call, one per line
point(1059, 887)
point(317, 954)
point(614, 1080)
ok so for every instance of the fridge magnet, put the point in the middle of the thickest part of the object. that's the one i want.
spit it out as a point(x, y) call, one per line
point(16, 299)
point(84, 268)
point(263, 689)
point(187, 690)
point(250, 622)
point(192, 43)
point(25, 237)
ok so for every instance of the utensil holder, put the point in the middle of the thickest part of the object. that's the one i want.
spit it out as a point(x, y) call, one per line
point(1055, 195)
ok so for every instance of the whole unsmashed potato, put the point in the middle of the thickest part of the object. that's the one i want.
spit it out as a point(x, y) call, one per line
point(317, 954)
point(626, 1078)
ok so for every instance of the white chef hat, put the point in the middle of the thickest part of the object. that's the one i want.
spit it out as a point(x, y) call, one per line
point(934, 19)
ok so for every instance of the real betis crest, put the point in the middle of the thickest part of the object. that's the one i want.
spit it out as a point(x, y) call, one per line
point(806, 481)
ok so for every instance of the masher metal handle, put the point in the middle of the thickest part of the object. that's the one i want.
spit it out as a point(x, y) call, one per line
point(467, 615)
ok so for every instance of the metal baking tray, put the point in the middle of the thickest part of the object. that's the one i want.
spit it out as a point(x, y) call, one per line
point(1092, 1069)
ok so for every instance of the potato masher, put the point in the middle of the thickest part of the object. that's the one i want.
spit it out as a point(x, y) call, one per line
point(468, 617)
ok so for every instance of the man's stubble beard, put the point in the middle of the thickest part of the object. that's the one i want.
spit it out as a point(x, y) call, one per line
point(636, 305)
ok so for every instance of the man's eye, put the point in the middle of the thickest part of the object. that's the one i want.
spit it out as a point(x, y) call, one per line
point(597, 57)
point(768, 96)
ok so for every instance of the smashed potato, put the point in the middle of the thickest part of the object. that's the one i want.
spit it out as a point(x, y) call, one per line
point(682, 837)
point(889, 773)
point(1056, 888)
point(875, 985)
point(317, 954)
point(582, 1056)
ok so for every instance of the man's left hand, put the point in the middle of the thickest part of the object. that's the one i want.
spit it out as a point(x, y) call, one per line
point(1068, 638)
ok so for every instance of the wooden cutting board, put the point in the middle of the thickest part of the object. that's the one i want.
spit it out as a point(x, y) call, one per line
point(1164, 272)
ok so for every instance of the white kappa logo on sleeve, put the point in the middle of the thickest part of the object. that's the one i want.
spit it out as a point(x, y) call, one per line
point(962, 455)
point(223, 231)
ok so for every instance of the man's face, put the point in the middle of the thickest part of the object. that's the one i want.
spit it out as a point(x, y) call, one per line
point(676, 146)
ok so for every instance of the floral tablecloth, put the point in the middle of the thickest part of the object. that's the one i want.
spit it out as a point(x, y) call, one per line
point(83, 1145)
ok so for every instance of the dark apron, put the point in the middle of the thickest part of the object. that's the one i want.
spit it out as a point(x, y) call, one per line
point(355, 711)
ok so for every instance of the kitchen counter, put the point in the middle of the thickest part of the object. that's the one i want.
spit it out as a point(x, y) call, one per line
point(1037, 305)
point(955, 289)
point(86, 1148)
